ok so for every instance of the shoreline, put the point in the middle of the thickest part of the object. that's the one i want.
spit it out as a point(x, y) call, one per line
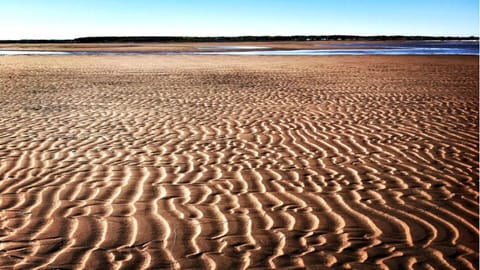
point(193, 46)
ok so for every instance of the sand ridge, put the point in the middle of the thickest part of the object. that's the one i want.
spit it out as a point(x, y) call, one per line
point(168, 162)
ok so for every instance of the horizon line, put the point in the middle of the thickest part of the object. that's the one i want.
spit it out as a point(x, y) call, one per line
point(170, 38)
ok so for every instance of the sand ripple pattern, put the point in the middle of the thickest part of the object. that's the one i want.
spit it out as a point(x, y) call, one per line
point(217, 162)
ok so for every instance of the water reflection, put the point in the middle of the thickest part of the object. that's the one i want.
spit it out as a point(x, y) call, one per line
point(231, 47)
point(378, 48)
point(409, 44)
point(372, 48)
point(393, 51)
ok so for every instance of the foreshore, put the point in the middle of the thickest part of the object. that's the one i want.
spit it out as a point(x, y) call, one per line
point(235, 162)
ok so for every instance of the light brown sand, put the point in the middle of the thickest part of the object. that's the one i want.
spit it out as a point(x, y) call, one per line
point(225, 162)
point(176, 46)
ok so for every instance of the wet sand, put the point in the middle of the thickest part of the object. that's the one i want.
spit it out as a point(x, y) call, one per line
point(234, 162)
point(159, 47)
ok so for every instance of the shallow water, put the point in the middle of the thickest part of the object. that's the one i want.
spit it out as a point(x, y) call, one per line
point(410, 44)
point(413, 47)
point(395, 48)
point(393, 51)
point(231, 47)
point(375, 48)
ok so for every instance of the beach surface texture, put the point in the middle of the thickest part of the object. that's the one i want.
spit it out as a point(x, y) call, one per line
point(235, 162)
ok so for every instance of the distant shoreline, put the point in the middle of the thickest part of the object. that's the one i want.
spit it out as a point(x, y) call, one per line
point(152, 39)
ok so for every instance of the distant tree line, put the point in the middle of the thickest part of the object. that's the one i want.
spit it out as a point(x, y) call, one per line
point(120, 39)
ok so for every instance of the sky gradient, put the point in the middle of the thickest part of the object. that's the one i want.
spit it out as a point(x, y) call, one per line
point(58, 19)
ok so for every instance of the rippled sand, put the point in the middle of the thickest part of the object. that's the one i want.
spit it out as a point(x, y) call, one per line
point(166, 162)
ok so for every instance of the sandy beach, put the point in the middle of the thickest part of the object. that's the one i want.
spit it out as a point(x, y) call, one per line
point(161, 46)
point(236, 162)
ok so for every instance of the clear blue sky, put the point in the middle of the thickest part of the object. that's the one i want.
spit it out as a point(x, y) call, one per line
point(75, 18)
